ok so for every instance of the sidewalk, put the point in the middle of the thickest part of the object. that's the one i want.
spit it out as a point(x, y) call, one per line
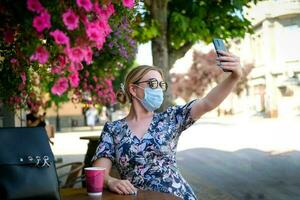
point(80, 129)
point(68, 147)
point(239, 132)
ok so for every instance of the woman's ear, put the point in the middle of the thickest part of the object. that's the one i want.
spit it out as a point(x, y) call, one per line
point(132, 89)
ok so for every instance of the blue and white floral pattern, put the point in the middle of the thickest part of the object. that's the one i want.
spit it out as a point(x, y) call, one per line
point(149, 163)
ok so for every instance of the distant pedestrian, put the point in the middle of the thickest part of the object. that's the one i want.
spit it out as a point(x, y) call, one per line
point(91, 116)
point(34, 119)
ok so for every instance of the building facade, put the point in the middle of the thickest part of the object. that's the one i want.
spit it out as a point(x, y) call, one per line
point(274, 50)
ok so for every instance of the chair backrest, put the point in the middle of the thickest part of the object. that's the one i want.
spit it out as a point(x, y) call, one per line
point(73, 175)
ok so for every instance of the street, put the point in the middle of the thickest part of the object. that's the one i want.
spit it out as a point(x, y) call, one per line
point(226, 133)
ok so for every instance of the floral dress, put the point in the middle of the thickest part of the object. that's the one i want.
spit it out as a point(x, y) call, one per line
point(149, 162)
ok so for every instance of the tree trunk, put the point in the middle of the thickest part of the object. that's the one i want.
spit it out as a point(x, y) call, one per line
point(164, 56)
point(159, 9)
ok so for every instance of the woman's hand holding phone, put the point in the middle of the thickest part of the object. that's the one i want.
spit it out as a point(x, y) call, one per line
point(230, 62)
point(227, 61)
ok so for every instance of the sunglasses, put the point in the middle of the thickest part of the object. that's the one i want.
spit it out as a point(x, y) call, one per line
point(153, 84)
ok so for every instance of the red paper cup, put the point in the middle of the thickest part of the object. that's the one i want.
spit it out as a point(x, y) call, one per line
point(94, 177)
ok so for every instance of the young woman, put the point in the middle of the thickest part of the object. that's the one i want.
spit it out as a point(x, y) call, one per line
point(143, 144)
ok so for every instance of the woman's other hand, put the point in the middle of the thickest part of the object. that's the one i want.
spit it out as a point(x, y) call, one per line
point(230, 62)
point(121, 186)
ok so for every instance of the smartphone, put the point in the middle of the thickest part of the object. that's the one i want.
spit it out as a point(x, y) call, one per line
point(220, 46)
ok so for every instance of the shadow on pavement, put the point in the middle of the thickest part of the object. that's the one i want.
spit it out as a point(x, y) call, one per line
point(241, 175)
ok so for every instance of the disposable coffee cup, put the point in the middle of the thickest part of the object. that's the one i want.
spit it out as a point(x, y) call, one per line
point(94, 177)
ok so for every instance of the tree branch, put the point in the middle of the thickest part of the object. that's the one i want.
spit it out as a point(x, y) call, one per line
point(175, 54)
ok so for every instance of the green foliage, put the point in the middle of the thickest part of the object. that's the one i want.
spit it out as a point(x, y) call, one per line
point(190, 21)
point(202, 20)
point(146, 31)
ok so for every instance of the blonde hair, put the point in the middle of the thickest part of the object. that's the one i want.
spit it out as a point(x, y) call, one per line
point(136, 74)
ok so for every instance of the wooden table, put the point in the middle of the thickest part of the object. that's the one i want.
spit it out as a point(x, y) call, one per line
point(81, 194)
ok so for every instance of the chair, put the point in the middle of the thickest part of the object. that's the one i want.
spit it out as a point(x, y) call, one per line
point(70, 174)
point(50, 132)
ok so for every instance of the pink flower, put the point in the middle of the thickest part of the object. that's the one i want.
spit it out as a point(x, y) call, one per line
point(72, 68)
point(60, 37)
point(110, 10)
point(75, 54)
point(99, 11)
point(99, 86)
point(23, 77)
point(56, 70)
point(78, 66)
point(86, 4)
point(95, 78)
point(103, 24)
point(110, 98)
point(60, 65)
point(42, 21)
point(95, 33)
point(74, 80)
point(88, 56)
point(14, 61)
point(34, 6)
point(60, 86)
point(62, 60)
point(104, 13)
point(99, 43)
point(113, 98)
point(99, 93)
point(128, 3)
point(41, 55)
point(70, 19)
point(84, 20)
point(17, 99)
point(108, 82)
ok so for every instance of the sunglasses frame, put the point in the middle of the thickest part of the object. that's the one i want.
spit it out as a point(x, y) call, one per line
point(158, 83)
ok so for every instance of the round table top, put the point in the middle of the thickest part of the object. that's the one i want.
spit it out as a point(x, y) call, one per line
point(91, 138)
point(81, 194)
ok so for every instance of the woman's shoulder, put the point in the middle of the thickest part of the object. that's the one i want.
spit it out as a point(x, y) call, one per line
point(167, 113)
point(112, 125)
point(175, 108)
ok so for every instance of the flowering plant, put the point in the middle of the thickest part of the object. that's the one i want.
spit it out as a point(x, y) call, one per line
point(64, 50)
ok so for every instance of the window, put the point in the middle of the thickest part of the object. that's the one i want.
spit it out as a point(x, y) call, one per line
point(290, 43)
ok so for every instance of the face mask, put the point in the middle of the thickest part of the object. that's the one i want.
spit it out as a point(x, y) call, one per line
point(153, 98)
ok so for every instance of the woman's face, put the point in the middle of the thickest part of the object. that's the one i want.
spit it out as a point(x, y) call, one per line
point(137, 90)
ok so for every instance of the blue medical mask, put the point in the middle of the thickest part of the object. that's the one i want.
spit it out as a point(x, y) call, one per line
point(153, 98)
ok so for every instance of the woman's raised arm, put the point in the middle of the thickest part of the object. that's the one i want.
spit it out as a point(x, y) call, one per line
point(220, 92)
